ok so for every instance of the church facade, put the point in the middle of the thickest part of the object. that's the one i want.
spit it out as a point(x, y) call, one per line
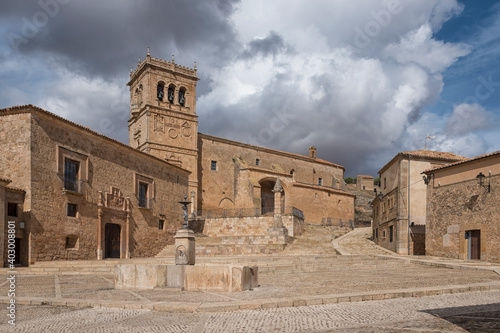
point(226, 175)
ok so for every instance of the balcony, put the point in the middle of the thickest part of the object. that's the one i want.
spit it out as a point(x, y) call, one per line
point(145, 203)
point(75, 186)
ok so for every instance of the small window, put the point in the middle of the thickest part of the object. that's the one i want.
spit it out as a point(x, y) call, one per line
point(72, 209)
point(71, 169)
point(71, 242)
point(320, 181)
point(385, 182)
point(376, 233)
point(213, 165)
point(257, 162)
point(161, 225)
point(143, 195)
point(12, 209)
point(391, 233)
point(383, 234)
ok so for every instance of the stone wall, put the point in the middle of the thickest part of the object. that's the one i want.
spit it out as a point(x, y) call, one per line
point(220, 183)
point(459, 207)
point(249, 226)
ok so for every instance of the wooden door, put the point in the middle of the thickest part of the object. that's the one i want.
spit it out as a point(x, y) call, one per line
point(475, 244)
point(112, 241)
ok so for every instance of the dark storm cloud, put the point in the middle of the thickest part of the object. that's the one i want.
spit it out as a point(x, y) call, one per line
point(104, 37)
point(271, 45)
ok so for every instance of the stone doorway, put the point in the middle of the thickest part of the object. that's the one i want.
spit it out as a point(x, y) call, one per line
point(474, 244)
point(267, 197)
point(112, 240)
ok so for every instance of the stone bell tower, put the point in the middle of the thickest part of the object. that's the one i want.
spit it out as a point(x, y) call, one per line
point(163, 120)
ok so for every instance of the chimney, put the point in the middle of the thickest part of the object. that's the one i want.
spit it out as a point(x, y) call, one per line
point(312, 152)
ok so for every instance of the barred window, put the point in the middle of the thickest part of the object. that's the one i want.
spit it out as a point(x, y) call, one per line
point(71, 169)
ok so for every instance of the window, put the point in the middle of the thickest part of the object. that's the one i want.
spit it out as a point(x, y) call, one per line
point(376, 233)
point(182, 97)
point(72, 209)
point(161, 224)
point(391, 233)
point(144, 191)
point(160, 91)
point(12, 209)
point(257, 162)
point(71, 169)
point(320, 181)
point(170, 96)
point(71, 242)
point(213, 165)
point(143, 195)
point(385, 182)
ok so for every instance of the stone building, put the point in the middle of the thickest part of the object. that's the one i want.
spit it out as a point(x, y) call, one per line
point(391, 211)
point(463, 211)
point(71, 193)
point(226, 175)
point(364, 182)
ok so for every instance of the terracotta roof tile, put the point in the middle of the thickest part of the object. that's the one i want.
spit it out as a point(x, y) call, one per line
point(464, 161)
point(429, 154)
point(29, 108)
point(434, 154)
point(5, 179)
point(15, 189)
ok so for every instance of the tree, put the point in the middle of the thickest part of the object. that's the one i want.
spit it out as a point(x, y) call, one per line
point(350, 180)
point(376, 181)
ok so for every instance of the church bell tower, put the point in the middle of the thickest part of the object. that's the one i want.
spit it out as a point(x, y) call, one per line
point(163, 120)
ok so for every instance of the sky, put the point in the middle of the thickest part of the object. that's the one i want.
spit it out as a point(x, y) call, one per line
point(361, 80)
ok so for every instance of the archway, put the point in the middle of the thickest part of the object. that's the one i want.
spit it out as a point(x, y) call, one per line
point(267, 196)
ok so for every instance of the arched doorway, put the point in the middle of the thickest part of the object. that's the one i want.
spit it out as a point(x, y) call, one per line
point(267, 197)
point(112, 240)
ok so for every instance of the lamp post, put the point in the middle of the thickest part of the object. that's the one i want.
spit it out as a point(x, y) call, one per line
point(184, 204)
point(481, 177)
point(184, 239)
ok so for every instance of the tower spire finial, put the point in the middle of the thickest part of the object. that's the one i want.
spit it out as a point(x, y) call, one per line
point(172, 58)
point(139, 62)
point(148, 54)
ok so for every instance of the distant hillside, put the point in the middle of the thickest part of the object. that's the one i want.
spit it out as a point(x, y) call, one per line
point(362, 203)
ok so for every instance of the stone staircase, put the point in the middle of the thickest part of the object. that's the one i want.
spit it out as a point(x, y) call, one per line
point(315, 239)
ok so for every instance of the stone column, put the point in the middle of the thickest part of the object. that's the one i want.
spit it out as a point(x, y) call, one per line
point(3, 183)
point(193, 197)
point(277, 223)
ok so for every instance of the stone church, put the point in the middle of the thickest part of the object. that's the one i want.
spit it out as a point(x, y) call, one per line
point(68, 193)
point(226, 175)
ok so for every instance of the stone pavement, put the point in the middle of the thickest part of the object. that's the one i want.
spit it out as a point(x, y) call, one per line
point(471, 312)
point(357, 242)
point(305, 292)
point(285, 281)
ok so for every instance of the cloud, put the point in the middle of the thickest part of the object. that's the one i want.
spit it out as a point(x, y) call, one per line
point(281, 81)
point(418, 47)
point(467, 118)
